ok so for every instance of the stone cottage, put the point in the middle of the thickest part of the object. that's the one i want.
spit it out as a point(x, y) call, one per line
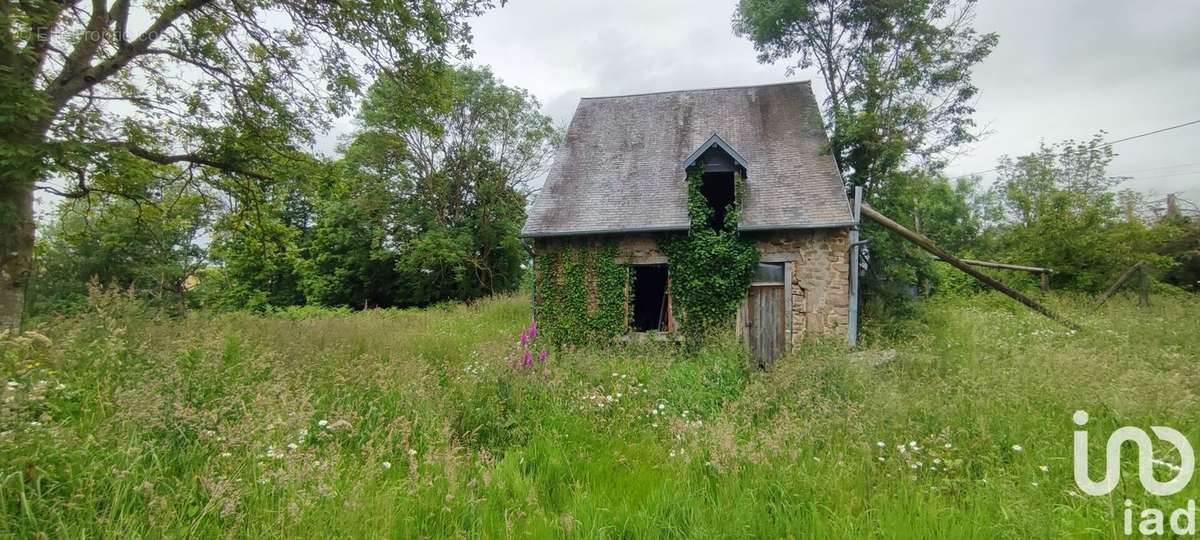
point(620, 180)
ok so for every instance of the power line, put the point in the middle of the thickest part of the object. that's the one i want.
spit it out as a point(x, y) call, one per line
point(1176, 166)
point(1185, 124)
point(1186, 173)
point(1110, 143)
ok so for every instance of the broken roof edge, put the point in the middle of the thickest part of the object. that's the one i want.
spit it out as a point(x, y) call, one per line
point(717, 140)
point(807, 82)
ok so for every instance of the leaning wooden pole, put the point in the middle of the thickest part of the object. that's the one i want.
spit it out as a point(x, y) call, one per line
point(1117, 284)
point(928, 245)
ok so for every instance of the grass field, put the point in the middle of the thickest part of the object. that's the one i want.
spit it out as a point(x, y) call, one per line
point(414, 424)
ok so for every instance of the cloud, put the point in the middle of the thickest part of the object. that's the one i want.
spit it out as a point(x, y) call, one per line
point(1063, 69)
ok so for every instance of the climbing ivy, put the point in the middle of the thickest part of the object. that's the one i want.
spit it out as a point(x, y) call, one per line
point(710, 269)
point(581, 294)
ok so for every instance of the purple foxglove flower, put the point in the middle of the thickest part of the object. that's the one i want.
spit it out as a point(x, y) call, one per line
point(542, 357)
point(524, 338)
point(533, 330)
point(528, 359)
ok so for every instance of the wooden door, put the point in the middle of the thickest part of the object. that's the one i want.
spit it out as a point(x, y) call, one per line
point(765, 310)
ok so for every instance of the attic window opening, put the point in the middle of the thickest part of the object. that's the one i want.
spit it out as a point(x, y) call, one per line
point(649, 308)
point(717, 189)
point(720, 165)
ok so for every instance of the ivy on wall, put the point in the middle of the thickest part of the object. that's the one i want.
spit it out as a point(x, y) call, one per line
point(710, 269)
point(581, 294)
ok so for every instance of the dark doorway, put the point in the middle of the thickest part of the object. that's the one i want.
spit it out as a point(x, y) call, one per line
point(717, 189)
point(649, 298)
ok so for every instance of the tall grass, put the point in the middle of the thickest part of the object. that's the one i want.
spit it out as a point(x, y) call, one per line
point(424, 424)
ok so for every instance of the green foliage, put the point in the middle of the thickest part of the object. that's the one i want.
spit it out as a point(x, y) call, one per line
point(432, 195)
point(897, 74)
point(710, 269)
point(1058, 208)
point(581, 294)
point(947, 214)
point(224, 92)
point(144, 241)
point(897, 77)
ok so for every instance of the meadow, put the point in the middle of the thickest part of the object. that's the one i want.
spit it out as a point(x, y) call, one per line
point(431, 423)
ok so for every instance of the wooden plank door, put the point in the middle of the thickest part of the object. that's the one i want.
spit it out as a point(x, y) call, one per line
point(765, 317)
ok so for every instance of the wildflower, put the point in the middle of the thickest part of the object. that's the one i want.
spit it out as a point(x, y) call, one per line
point(292, 446)
point(386, 465)
point(1044, 468)
point(948, 446)
point(912, 444)
point(532, 329)
point(1035, 484)
point(524, 339)
point(880, 444)
point(1017, 448)
point(881, 458)
point(226, 454)
point(60, 386)
point(412, 452)
point(527, 359)
point(14, 384)
point(618, 395)
point(323, 423)
point(937, 461)
point(542, 356)
point(661, 406)
point(35, 423)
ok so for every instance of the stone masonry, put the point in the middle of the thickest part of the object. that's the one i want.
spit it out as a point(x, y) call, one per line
point(816, 259)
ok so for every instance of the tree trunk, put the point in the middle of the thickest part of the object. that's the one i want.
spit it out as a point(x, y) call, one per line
point(16, 250)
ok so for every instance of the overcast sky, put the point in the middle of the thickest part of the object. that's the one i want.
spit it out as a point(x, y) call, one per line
point(1062, 69)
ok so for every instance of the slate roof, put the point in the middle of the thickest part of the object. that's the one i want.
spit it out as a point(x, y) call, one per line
point(621, 165)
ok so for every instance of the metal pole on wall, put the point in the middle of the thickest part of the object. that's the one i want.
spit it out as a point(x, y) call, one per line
point(855, 245)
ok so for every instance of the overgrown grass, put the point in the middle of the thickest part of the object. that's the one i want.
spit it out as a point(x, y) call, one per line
point(419, 424)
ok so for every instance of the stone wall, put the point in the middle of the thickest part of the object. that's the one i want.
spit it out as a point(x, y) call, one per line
point(817, 260)
point(819, 265)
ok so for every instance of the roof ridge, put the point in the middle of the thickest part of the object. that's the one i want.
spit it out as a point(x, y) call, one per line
point(711, 88)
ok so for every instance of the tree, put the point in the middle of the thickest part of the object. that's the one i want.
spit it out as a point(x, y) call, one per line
point(454, 172)
point(148, 245)
point(897, 77)
point(1059, 209)
point(897, 73)
point(215, 85)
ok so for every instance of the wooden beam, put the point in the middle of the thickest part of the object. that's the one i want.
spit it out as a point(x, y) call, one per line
point(1006, 266)
point(928, 245)
point(1117, 284)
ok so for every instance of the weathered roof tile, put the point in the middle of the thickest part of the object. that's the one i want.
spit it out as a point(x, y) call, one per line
point(620, 167)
